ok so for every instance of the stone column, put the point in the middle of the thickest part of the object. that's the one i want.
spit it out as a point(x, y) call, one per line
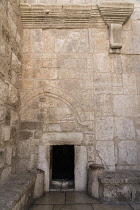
point(93, 182)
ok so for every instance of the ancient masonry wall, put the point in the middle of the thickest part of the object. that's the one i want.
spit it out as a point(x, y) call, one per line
point(10, 70)
point(75, 92)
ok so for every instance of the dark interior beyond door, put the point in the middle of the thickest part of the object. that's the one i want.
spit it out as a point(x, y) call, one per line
point(63, 162)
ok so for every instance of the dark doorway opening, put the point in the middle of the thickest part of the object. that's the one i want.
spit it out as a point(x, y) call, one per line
point(63, 162)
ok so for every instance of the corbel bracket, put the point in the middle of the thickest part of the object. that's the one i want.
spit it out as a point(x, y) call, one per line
point(115, 15)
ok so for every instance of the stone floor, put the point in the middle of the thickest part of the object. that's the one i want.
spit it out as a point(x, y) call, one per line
point(76, 201)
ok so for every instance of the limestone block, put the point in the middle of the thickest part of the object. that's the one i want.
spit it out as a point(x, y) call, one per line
point(91, 153)
point(15, 63)
point(37, 47)
point(89, 138)
point(93, 179)
point(2, 113)
point(122, 105)
point(62, 138)
point(138, 83)
point(104, 128)
point(39, 184)
point(28, 84)
point(135, 105)
point(117, 80)
point(49, 40)
point(14, 117)
point(127, 152)
point(9, 153)
point(5, 133)
point(102, 63)
point(36, 35)
point(75, 41)
point(5, 173)
point(103, 90)
point(3, 92)
point(80, 168)
point(105, 152)
point(44, 164)
point(131, 65)
point(101, 42)
point(54, 128)
point(68, 126)
point(13, 95)
point(129, 83)
point(23, 135)
point(103, 79)
point(90, 63)
point(30, 125)
point(103, 105)
point(2, 157)
point(24, 149)
point(45, 73)
point(117, 90)
point(124, 128)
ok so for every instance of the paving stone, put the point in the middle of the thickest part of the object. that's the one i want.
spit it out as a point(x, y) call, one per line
point(42, 207)
point(135, 206)
point(78, 197)
point(110, 207)
point(73, 207)
point(52, 198)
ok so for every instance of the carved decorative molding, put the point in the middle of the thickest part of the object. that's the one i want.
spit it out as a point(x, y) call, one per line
point(114, 15)
point(56, 16)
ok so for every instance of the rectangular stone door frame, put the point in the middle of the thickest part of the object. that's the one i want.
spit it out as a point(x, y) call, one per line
point(80, 166)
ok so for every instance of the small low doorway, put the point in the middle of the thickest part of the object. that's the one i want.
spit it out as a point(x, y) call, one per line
point(62, 167)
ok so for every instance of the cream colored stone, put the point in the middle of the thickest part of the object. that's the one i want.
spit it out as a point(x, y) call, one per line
point(103, 79)
point(104, 128)
point(80, 168)
point(127, 152)
point(124, 128)
point(3, 92)
point(5, 133)
point(6, 173)
point(9, 152)
point(13, 95)
point(103, 105)
point(61, 138)
point(122, 105)
point(105, 153)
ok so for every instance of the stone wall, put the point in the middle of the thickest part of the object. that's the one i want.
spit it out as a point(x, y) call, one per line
point(74, 90)
point(10, 70)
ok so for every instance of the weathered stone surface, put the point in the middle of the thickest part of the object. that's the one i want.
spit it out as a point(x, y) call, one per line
point(23, 135)
point(2, 157)
point(9, 153)
point(30, 125)
point(80, 168)
point(124, 128)
point(3, 92)
point(21, 191)
point(105, 153)
point(104, 128)
point(120, 186)
point(6, 133)
point(127, 152)
point(6, 173)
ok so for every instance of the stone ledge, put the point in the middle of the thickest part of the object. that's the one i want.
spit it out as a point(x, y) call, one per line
point(120, 186)
point(17, 191)
point(120, 177)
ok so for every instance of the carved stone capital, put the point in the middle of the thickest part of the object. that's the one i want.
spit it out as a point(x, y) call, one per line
point(114, 15)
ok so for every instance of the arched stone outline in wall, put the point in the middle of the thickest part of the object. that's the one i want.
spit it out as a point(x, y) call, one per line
point(56, 93)
point(60, 138)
